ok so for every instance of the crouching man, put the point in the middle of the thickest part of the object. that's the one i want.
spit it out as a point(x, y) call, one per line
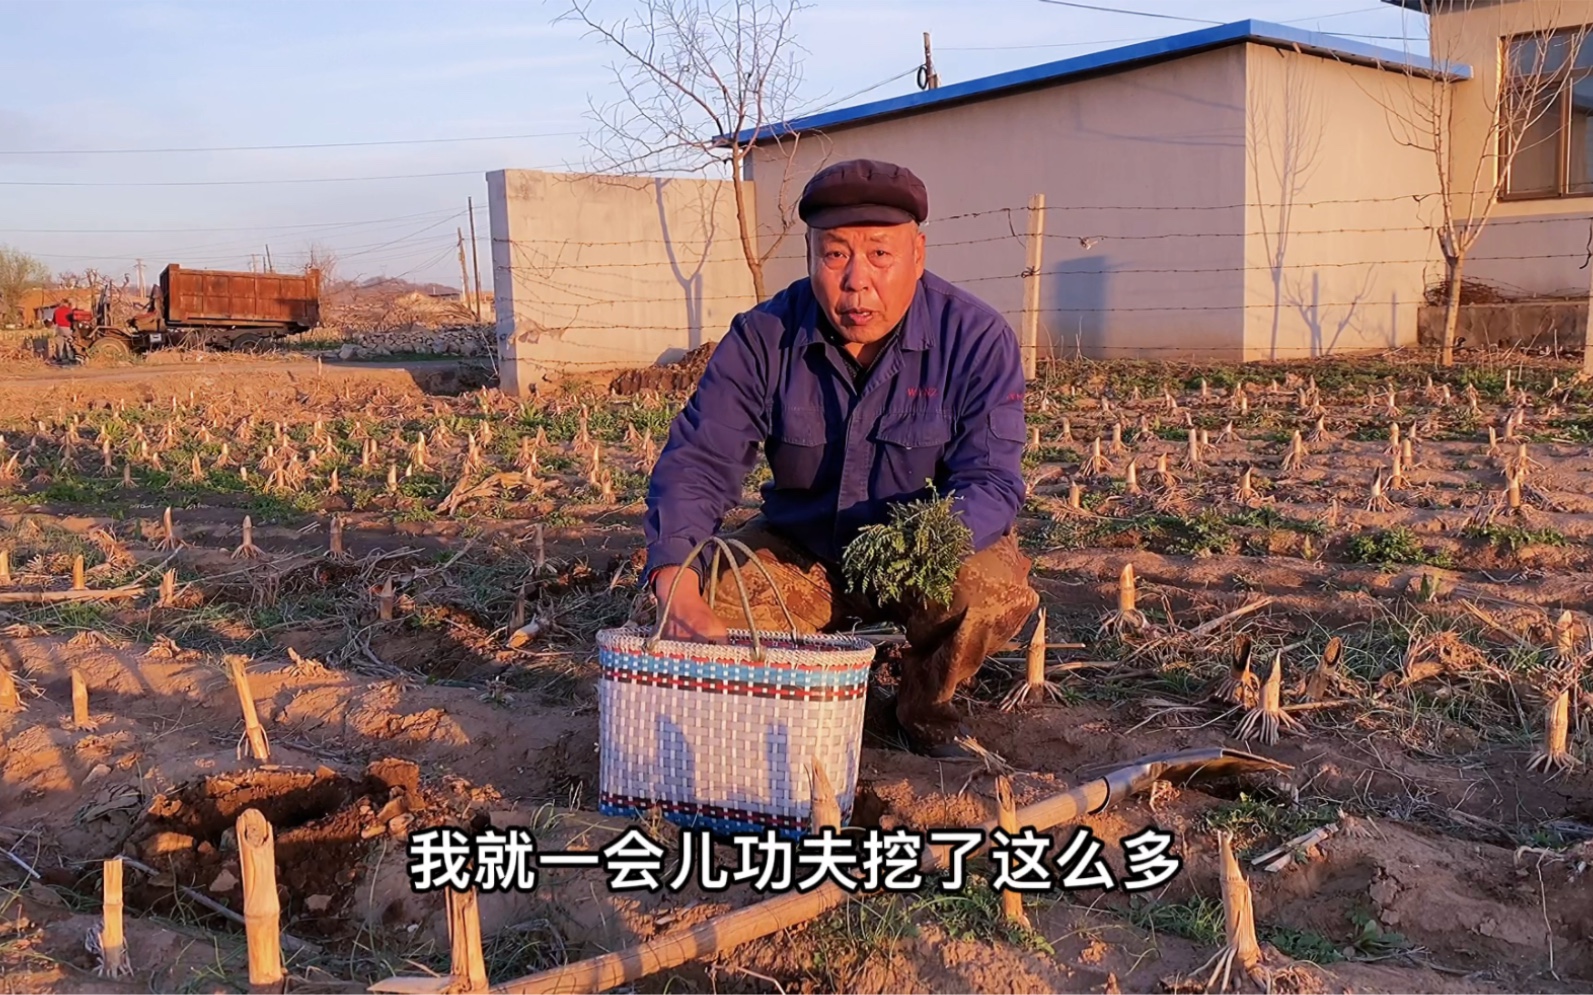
point(862, 382)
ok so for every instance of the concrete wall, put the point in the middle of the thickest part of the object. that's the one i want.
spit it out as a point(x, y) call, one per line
point(1536, 246)
point(1336, 252)
point(1527, 324)
point(1150, 162)
point(598, 272)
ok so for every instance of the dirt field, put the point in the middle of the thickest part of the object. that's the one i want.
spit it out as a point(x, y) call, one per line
point(1453, 864)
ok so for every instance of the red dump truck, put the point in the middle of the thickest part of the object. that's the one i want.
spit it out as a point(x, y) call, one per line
point(240, 312)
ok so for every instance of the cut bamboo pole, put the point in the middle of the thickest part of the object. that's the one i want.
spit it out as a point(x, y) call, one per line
point(78, 583)
point(464, 933)
point(1007, 818)
point(256, 734)
point(1513, 491)
point(335, 536)
point(113, 942)
point(384, 603)
point(5, 566)
point(539, 549)
point(1131, 477)
point(825, 810)
point(1564, 637)
point(261, 909)
point(80, 702)
point(1127, 590)
point(168, 587)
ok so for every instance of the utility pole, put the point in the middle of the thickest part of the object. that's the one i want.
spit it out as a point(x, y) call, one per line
point(140, 266)
point(464, 275)
point(268, 267)
point(252, 258)
point(475, 259)
point(927, 79)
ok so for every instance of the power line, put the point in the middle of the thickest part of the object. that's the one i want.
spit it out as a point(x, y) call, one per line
point(1341, 13)
point(306, 145)
point(1136, 13)
point(235, 183)
point(159, 231)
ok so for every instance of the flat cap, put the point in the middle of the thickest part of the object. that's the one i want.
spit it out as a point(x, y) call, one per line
point(863, 192)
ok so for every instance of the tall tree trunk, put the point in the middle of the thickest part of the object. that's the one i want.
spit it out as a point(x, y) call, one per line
point(1452, 269)
point(754, 265)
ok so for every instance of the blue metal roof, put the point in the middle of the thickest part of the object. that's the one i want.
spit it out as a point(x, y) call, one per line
point(1125, 57)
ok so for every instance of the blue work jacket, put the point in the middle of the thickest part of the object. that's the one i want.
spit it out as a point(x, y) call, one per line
point(943, 401)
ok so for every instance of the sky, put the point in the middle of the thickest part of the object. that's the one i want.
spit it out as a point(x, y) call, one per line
point(124, 125)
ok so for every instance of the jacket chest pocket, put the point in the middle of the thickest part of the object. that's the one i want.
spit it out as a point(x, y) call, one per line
point(911, 445)
point(796, 448)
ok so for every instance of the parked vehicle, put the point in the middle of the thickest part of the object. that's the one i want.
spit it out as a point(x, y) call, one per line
point(239, 312)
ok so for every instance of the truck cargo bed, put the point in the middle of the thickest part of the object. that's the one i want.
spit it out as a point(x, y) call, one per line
point(225, 299)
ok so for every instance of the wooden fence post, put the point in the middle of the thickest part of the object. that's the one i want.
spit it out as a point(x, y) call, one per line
point(1031, 286)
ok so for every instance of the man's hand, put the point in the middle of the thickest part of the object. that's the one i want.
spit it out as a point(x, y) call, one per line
point(690, 618)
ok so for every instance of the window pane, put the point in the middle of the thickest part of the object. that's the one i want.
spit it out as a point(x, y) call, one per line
point(1580, 179)
point(1534, 167)
point(1534, 54)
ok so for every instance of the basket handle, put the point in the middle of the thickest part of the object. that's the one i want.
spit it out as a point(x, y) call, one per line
point(721, 544)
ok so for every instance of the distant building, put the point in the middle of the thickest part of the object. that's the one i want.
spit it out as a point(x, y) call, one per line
point(1232, 192)
point(1239, 192)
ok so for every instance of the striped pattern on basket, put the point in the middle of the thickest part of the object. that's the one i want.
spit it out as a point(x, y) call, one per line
point(725, 741)
point(715, 817)
point(800, 683)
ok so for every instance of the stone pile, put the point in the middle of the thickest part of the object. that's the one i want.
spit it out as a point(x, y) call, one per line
point(457, 341)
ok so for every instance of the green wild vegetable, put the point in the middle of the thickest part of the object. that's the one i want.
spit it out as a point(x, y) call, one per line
point(914, 555)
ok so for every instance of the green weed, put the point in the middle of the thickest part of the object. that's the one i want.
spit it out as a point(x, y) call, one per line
point(1514, 537)
point(1199, 919)
point(1387, 547)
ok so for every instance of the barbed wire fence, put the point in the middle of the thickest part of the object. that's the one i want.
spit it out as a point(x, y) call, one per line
point(1008, 253)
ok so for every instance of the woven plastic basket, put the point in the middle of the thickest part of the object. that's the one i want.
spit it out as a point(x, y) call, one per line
point(724, 736)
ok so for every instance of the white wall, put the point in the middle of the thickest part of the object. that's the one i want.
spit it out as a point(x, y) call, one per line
point(1150, 161)
point(1337, 251)
point(598, 272)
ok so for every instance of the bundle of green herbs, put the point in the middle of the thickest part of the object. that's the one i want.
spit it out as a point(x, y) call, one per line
point(914, 555)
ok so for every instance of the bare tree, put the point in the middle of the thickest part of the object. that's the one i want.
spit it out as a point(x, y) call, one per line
point(703, 82)
point(18, 272)
point(1501, 115)
point(1282, 143)
point(322, 258)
